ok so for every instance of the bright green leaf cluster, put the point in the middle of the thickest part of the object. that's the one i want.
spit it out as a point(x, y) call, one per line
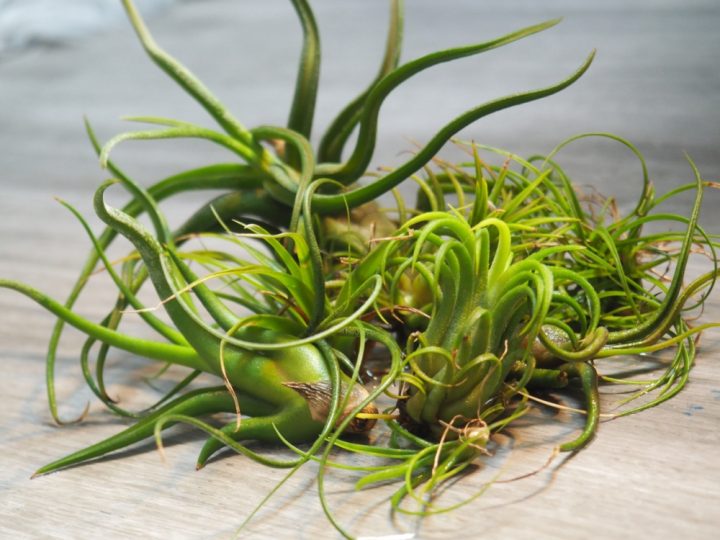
point(499, 283)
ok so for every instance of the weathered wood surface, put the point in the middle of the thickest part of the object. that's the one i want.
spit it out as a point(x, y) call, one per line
point(655, 81)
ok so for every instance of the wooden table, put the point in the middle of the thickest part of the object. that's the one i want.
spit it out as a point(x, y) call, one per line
point(655, 81)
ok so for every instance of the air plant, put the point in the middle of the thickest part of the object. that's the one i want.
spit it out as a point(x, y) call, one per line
point(276, 188)
point(274, 165)
point(639, 303)
point(499, 283)
point(516, 293)
point(277, 369)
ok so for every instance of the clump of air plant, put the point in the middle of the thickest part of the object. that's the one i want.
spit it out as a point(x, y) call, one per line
point(498, 284)
point(277, 181)
point(274, 165)
point(517, 291)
